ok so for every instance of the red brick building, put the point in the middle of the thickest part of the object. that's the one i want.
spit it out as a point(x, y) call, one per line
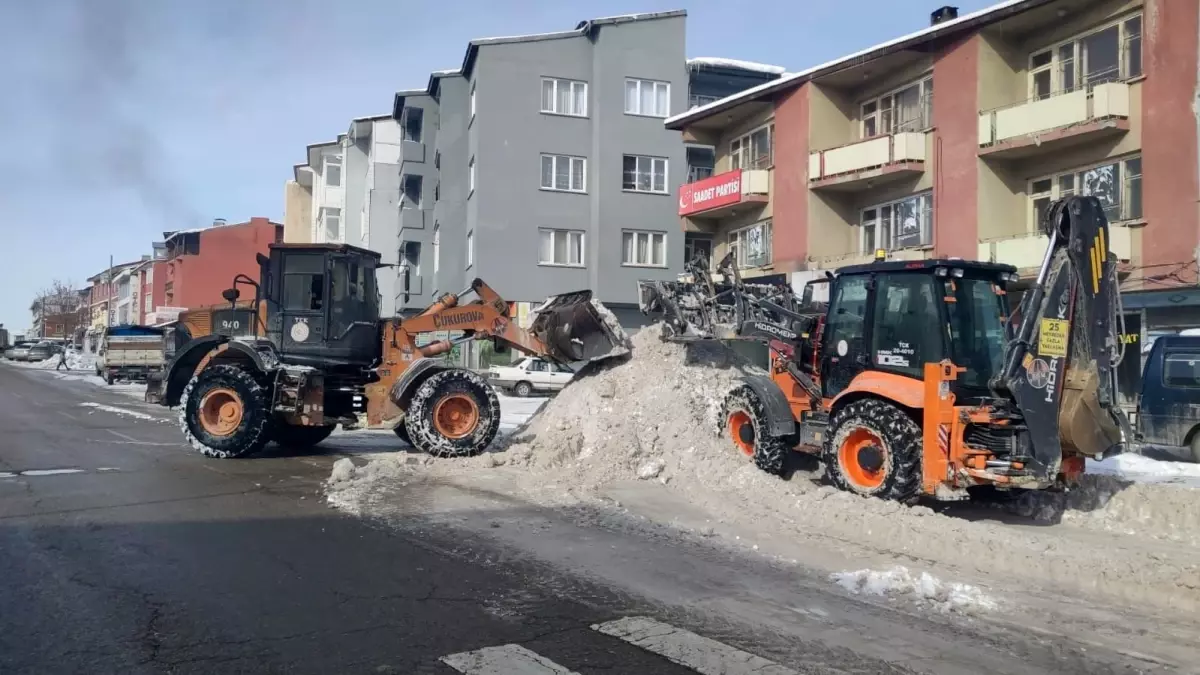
point(199, 264)
point(1034, 100)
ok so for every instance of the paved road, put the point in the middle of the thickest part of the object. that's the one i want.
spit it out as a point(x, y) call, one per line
point(123, 552)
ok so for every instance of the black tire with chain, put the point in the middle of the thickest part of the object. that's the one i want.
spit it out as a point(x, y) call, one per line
point(902, 457)
point(296, 436)
point(418, 419)
point(402, 433)
point(254, 430)
point(770, 451)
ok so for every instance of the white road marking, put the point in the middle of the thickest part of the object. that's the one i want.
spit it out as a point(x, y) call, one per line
point(51, 472)
point(699, 653)
point(119, 411)
point(121, 435)
point(504, 660)
point(7, 474)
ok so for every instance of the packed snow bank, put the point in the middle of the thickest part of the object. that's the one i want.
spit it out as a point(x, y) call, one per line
point(1146, 470)
point(654, 418)
point(924, 588)
point(75, 361)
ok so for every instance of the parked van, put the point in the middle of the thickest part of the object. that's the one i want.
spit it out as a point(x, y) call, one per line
point(1168, 411)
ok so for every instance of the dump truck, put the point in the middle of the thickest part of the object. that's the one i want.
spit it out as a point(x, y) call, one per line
point(311, 352)
point(916, 378)
point(130, 352)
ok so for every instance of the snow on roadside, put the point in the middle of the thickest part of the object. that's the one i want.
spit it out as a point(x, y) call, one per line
point(923, 588)
point(120, 411)
point(75, 361)
point(1141, 469)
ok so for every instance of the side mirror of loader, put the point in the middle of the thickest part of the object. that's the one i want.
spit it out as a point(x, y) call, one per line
point(231, 295)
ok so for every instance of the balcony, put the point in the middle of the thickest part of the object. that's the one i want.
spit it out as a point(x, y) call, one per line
point(719, 196)
point(1084, 115)
point(878, 160)
point(834, 262)
point(1025, 251)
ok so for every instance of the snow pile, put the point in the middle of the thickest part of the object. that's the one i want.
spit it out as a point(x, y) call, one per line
point(655, 416)
point(119, 411)
point(924, 588)
point(652, 419)
point(1145, 470)
point(75, 361)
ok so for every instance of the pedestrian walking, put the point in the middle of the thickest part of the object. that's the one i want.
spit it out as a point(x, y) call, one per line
point(62, 360)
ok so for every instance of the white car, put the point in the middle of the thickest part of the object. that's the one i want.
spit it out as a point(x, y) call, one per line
point(530, 374)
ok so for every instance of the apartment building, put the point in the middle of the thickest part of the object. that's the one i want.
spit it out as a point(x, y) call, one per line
point(199, 264)
point(1035, 99)
point(350, 192)
point(541, 164)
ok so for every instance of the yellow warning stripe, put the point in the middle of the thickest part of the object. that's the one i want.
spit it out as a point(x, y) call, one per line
point(1093, 255)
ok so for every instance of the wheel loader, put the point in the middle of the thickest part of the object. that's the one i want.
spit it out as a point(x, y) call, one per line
point(914, 380)
point(311, 352)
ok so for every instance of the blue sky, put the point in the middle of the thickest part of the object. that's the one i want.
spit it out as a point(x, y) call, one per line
point(125, 118)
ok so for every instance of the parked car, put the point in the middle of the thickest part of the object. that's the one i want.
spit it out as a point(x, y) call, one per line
point(530, 374)
point(18, 352)
point(1168, 409)
point(43, 350)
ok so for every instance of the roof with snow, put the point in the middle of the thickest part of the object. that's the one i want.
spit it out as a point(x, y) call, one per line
point(965, 22)
point(735, 64)
point(584, 27)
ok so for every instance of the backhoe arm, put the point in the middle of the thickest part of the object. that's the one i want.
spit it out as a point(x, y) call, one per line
point(1060, 368)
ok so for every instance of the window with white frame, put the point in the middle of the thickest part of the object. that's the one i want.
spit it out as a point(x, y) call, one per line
point(437, 247)
point(470, 176)
point(1109, 53)
point(647, 97)
point(751, 245)
point(331, 219)
point(564, 97)
point(563, 172)
point(755, 150)
point(644, 248)
point(470, 248)
point(908, 108)
point(644, 174)
point(333, 170)
point(903, 223)
point(561, 247)
point(1117, 184)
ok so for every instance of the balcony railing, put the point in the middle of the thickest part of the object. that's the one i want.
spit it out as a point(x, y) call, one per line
point(697, 173)
point(1062, 109)
point(1025, 250)
point(873, 153)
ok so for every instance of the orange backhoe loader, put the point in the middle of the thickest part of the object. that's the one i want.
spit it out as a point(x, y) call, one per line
point(913, 380)
point(311, 352)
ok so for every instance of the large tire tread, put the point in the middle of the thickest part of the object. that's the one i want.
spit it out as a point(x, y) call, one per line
point(418, 419)
point(770, 452)
point(255, 430)
point(899, 432)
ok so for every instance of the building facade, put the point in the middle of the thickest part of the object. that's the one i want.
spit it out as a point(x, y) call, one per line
point(541, 164)
point(200, 264)
point(1034, 100)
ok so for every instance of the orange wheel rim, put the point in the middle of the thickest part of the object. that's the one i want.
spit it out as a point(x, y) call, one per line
point(221, 412)
point(855, 455)
point(456, 416)
point(740, 427)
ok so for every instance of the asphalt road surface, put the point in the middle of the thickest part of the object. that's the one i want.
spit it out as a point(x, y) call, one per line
point(122, 551)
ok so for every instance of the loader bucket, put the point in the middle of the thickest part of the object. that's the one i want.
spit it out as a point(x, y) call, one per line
point(574, 327)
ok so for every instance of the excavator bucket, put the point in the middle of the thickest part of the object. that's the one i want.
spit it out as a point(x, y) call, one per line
point(574, 327)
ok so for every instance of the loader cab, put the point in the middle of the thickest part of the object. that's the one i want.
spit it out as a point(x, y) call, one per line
point(894, 317)
point(322, 305)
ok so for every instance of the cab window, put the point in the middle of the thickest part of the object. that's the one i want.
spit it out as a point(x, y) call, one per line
point(905, 333)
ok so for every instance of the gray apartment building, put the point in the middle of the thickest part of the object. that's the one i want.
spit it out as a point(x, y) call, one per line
point(542, 165)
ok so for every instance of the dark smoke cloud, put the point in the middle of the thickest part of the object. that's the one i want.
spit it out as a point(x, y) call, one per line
point(94, 103)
